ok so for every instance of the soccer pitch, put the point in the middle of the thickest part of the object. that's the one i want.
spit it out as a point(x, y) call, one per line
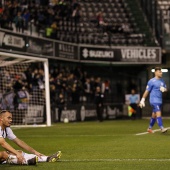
point(110, 145)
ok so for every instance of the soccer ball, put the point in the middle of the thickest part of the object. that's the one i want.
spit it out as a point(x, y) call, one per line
point(66, 120)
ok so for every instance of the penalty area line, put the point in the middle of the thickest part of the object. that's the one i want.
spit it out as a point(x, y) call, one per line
point(113, 160)
point(144, 133)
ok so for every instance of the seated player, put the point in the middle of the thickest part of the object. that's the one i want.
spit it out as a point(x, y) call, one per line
point(12, 156)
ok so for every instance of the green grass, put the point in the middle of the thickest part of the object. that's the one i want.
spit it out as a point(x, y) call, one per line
point(110, 145)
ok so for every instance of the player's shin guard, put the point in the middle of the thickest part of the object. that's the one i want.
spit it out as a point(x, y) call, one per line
point(152, 122)
point(159, 121)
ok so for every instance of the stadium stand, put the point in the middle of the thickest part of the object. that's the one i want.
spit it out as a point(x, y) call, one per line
point(103, 22)
point(157, 14)
point(109, 22)
point(164, 8)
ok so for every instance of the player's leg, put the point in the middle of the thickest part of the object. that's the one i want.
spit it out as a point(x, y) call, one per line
point(30, 159)
point(52, 158)
point(39, 159)
point(3, 156)
point(12, 159)
point(152, 122)
point(158, 117)
point(160, 122)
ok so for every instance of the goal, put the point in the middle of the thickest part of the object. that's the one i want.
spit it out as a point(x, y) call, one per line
point(24, 89)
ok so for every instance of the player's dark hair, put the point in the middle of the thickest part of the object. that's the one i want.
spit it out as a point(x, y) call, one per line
point(4, 111)
point(158, 68)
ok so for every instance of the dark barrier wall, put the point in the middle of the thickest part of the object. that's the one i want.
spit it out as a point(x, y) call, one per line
point(42, 47)
point(88, 112)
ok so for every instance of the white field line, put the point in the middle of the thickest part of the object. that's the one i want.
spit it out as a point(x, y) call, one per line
point(27, 126)
point(114, 160)
point(156, 130)
point(70, 136)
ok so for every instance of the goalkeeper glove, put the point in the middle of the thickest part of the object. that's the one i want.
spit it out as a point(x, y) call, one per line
point(162, 89)
point(142, 103)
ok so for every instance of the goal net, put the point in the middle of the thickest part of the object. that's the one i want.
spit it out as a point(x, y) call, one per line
point(24, 89)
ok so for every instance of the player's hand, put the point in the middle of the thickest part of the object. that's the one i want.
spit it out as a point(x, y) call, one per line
point(38, 154)
point(20, 158)
point(162, 89)
point(142, 103)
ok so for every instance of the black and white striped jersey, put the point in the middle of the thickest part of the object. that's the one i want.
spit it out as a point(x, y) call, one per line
point(7, 133)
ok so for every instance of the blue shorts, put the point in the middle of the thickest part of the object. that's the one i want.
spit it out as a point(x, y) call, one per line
point(156, 107)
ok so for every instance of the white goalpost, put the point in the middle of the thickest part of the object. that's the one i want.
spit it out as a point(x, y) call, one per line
point(24, 89)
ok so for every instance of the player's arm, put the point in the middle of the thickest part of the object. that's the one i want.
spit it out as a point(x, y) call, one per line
point(9, 148)
point(142, 102)
point(145, 94)
point(25, 146)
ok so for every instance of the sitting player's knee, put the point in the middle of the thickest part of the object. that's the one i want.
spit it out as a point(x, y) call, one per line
point(3, 155)
point(20, 151)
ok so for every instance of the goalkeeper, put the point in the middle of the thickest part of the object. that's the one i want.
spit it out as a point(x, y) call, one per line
point(12, 156)
point(155, 86)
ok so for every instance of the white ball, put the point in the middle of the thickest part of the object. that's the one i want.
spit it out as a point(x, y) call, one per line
point(66, 120)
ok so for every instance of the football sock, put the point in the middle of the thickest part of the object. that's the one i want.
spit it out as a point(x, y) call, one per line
point(159, 121)
point(42, 159)
point(29, 156)
point(152, 122)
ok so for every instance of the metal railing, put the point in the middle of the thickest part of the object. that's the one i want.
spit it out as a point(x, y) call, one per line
point(155, 17)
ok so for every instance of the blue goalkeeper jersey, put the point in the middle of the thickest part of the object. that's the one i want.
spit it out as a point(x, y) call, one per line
point(153, 87)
